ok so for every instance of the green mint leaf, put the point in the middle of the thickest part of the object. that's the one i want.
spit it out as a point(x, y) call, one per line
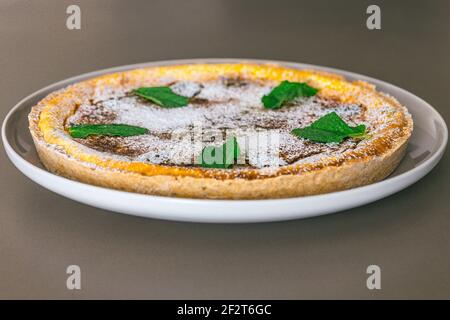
point(122, 130)
point(222, 157)
point(330, 128)
point(287, 91)
point(162, 96)
point(318, 135)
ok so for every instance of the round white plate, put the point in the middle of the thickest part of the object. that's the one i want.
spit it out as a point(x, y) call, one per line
point(425, 149)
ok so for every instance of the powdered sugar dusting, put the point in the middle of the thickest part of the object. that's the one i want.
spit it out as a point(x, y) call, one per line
point(219, 107)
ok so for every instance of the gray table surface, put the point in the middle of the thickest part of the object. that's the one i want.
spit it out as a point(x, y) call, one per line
point(120, 256)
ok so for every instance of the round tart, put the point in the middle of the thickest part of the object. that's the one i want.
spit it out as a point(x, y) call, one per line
point(221, 101)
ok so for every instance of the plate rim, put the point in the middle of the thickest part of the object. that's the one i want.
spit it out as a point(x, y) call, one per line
point(405, 179)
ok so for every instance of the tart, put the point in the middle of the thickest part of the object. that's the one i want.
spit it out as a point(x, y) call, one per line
point(223, 100)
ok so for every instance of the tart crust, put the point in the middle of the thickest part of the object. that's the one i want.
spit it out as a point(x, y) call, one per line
point(373, 161)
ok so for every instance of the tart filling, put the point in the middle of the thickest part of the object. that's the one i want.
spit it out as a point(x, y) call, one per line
point(216, 110)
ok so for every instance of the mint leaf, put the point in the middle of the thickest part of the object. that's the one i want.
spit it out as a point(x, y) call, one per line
point(287, 91)
point(162, 96)
point(222, 157)
point(330, 128)
point(123, 130)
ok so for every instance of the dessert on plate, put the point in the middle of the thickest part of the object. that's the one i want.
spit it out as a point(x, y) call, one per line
point(221, 131)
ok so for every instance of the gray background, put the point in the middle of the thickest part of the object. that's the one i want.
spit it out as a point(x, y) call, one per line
point(121, 256)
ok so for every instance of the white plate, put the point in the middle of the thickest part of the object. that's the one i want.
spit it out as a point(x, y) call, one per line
point(425, 149)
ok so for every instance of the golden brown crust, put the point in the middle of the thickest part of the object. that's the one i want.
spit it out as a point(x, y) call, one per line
point(372, 164)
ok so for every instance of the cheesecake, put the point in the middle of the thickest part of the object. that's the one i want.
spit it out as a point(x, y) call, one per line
point(221, 131)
